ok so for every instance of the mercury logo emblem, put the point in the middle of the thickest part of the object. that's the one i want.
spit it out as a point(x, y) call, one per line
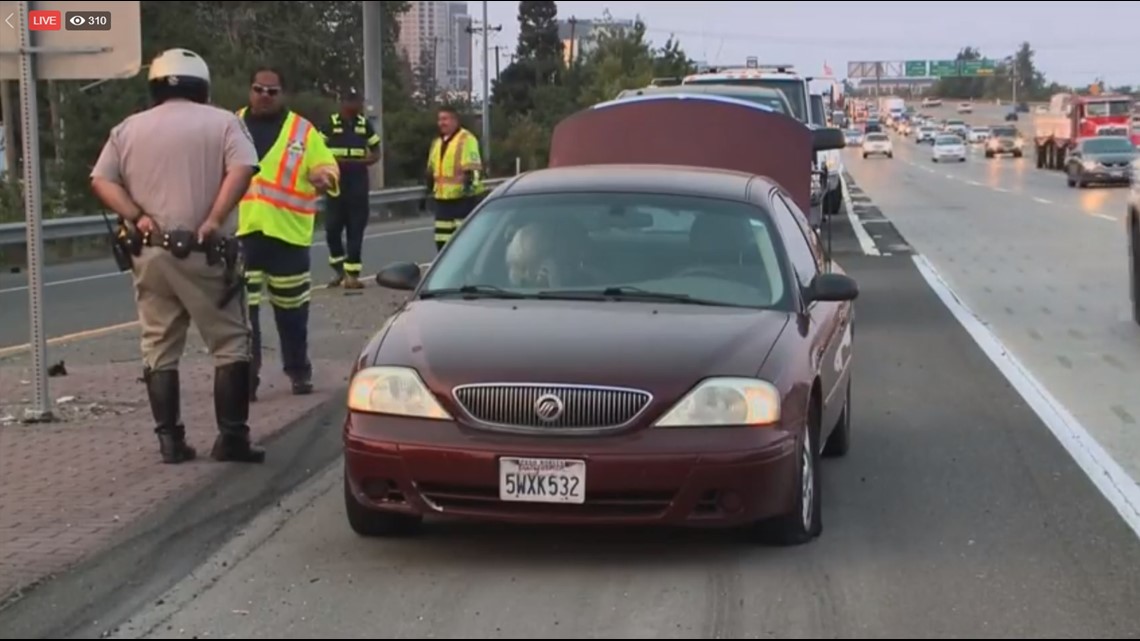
point(549, 408)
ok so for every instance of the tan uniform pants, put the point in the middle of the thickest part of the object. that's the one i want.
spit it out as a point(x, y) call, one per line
point(170, 292)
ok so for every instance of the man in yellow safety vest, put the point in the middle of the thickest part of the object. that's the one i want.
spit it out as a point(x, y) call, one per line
point(454, 175)
point(276, 220)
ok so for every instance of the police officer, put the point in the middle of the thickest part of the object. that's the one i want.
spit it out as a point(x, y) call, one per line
point(356, 146)
point(454, 175)
point(174, 174)
point(275, 223)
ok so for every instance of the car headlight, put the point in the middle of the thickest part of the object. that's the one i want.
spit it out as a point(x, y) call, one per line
point(398, 391)
point(1088, 164)
point(726, 401)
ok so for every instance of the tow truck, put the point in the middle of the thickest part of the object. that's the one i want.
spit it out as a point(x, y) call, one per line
point(1071, 117)
point(785, 78)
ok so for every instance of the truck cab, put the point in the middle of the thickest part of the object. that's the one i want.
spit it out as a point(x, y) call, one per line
point(1071, 117)
point(795, 87)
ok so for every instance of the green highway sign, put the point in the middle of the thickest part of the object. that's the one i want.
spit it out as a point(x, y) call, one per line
point(915, 68)
point(978, 67)
point(943, 68)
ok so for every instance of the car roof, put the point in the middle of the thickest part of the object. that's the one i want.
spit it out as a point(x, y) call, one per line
point(723, 90)
point(675, 180)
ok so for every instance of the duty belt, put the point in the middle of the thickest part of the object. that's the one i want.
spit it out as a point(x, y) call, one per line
point(181, 243)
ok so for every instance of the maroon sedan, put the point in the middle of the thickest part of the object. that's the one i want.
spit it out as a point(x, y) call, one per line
point(618, 344)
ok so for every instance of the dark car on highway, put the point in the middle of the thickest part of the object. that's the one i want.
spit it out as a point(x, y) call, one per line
point(648, 332)
point(1005, 139)
point(1101, 159)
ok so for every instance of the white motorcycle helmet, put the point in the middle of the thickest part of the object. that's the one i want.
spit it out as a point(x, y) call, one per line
point(179, 73)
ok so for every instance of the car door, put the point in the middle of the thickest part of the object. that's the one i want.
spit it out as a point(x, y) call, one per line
point(829, 329)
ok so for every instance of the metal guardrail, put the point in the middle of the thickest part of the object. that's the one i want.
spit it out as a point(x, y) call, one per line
point(86, 226)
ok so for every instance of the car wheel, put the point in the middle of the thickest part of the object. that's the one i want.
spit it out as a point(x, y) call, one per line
point(962, 159)
point(891, 155)
point(839, 443)
point(1017, 154)
point(989, 154)
point(805, 522)
point(373, 523)
point(864, 156)
point(1134, 264)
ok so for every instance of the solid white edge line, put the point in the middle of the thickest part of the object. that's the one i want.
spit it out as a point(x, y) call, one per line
point(1043, 201)
point(1115, 484)
point(865, 241)
point(83, 279)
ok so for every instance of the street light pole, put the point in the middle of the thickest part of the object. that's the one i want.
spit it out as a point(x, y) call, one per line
point(486, 90)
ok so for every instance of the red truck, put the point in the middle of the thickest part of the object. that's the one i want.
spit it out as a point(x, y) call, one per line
point(1072, 117)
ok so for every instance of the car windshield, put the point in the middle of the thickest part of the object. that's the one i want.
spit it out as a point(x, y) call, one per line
point(817, 111)
point(641, 247)
point(793, 89)
point(1005, 132)
point(981, 130)
point(772, 101)
point(853, 132)
point(928, 130)
point(948, 140)
point(877, 138)
point(1117, 108)
point(1108, 146)
point(955, 123)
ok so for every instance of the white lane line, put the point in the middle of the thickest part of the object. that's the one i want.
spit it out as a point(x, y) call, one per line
point(865, 241)
point(1105, 216)
point(1113, 482)
point(83, 279)
point(975, 183)
point(951, 176)
point(1043, 201)
point(1001, 189)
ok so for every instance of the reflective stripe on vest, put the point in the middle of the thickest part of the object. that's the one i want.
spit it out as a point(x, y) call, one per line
point(361, 129)
point(282, 205)
point(448, 171)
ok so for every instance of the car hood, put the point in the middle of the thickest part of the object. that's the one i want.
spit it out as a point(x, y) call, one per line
point(664, 348)
point(1115, 157)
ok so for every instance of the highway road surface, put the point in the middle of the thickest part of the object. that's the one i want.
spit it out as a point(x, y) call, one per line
point(958, 514)
point(87, 296)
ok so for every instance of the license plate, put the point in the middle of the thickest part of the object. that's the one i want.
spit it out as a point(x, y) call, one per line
point(531, 480)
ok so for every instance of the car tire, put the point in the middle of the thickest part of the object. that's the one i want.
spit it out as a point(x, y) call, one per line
point(962, 159)
point(989, 154)
point(805, 522)
point(371, 523)
point(1018, 154)
point(864, 156)
point(891, 155)
point(839, 443)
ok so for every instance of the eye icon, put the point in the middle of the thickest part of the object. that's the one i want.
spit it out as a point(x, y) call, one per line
point(77, 20)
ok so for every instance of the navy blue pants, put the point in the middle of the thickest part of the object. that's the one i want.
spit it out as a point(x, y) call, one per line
point(346, 217)
point(283, 270)
point(449, 214)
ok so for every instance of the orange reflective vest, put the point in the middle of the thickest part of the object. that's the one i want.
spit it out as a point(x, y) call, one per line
point(282, 202)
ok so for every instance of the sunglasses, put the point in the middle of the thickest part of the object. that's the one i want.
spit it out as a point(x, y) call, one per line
point(262, 90)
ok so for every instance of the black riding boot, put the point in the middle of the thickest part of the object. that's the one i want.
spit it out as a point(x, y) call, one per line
point(163, 390)
point(231, 407)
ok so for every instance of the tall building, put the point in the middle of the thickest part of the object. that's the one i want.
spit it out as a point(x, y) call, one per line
point(578, 36)
point(434, 38)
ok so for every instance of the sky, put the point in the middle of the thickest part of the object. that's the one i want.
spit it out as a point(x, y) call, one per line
point(808, 34)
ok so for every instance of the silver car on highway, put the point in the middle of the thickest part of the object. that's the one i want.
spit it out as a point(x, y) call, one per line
point(948, 147)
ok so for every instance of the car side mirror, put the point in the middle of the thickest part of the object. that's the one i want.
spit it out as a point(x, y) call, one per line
point(402, 276)
point(827, 138)
point(832, 288)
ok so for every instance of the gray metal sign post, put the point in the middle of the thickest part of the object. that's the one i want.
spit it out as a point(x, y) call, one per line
point(93, 50)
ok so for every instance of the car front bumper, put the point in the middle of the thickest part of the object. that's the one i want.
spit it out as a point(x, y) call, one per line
point(716, 477)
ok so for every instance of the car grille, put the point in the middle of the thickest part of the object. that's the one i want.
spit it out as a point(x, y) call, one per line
point(1117, 165)
point(516, 406)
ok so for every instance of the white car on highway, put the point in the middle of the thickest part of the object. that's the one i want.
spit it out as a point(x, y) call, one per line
point(948, 147)
point(965, 108)
point(878, 144)
point(931, 102)
point(926, 134)
point(978, 135)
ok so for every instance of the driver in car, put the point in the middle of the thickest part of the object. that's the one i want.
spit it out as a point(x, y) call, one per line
point(549, 255)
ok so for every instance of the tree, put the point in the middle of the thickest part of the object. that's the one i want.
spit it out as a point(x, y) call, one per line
point(317, 45)
point(671, 61)
point(538, 32)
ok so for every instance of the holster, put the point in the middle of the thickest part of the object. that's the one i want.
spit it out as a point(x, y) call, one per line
point(126, 243)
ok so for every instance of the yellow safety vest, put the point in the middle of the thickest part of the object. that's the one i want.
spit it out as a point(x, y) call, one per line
point(448, 172)
point(281, 202)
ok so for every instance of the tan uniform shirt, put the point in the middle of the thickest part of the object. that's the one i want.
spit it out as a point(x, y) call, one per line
point(172, 159)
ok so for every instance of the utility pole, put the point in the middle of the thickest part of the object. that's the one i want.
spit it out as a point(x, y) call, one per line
point(573, 41)
point(486, 91)
point(8, 115)
point(471, 64)
point(498, 62)
point(373, 18)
